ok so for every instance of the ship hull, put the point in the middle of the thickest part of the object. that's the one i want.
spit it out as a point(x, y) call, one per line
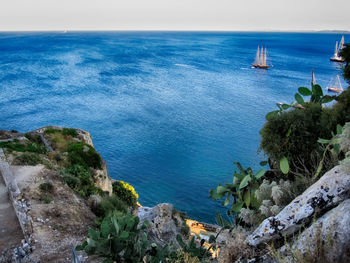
point(336, 59)
point(334, 90)
point(260, 66)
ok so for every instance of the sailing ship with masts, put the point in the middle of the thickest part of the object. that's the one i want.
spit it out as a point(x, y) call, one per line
point(261, 59)
point(336, 57)
point(335, 85)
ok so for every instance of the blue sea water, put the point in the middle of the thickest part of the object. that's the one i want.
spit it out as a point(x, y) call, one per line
point(168, 111)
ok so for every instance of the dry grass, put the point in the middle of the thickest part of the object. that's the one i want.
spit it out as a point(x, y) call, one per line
point(235, 246)
point(59, 141)
point(316, 248)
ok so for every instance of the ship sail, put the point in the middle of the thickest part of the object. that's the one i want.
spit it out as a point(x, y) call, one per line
point(260, 58)
point(341, 44)
point(339, 83)
point(257, 56)
point(336, 49)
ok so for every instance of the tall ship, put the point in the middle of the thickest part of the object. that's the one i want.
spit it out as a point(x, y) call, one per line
point(336, 56)
point(260, 59)
point(335, 85)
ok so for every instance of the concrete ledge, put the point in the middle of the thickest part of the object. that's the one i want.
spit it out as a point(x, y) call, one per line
point(19, 204)
point(9, 179)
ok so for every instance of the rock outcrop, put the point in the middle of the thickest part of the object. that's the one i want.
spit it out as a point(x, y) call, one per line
point(328, 237)
point(102, 179)
point(164, 223)
point(326, 193)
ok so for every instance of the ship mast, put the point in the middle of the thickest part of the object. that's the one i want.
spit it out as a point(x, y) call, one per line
point(265, 58)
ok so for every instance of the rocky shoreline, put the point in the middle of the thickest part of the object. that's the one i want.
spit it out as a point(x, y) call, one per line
point(320, 215)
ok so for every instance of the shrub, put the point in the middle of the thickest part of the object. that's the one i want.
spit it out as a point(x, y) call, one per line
point(37, 148)
point(46, 198)
point(46, 187)
point(294, 134)
point(80, 153)
point(79, 178)
point(27, 159)
point(57, 157)
point(33, 138)
point(70, 132)
point(342, 107)
point(72, 181)
point(126, 193)
point(185, 230)
point(201, 252)
point(241, 191)
point(110, 204)
point(119, 239)
point(23, 146)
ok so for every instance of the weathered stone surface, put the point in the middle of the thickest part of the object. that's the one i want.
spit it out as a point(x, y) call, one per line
point(9, 179)
point(164, 226)
point(327, 192)
point(94, 201)
point(102, 180)
point(328, 237)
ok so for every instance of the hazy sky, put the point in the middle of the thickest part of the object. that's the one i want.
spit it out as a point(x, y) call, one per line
point(174, 14)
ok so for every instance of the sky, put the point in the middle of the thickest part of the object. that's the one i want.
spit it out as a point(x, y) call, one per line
point(227, 15)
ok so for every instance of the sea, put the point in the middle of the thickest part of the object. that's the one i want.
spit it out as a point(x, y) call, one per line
point(169, 111)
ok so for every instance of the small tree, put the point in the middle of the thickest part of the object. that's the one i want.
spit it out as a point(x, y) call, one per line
point(345, 53)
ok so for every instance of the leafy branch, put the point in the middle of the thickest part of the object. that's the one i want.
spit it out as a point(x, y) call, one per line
point(332, 146)
point(316, 94)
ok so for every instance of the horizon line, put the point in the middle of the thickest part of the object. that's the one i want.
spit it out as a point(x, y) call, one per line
point(181, 30)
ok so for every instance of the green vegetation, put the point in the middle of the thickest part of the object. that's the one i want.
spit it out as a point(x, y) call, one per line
point(109, 205)
point(123, 200)
point(79, 178)
point(201, 252)
point(302, 142)
point(52, 130)
point(46, 187)
point(23, 146)
point(61, 138)
point(118, 235)
point(241, 190)
point(345, 53)
point(294, 134)
point(120, 239)
point(46, 198)
point(78, 158)
point(33, 137)
point(46, 190)
point(82, 154)
point(27, 159)
point(70, 132)
point(125, 193)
